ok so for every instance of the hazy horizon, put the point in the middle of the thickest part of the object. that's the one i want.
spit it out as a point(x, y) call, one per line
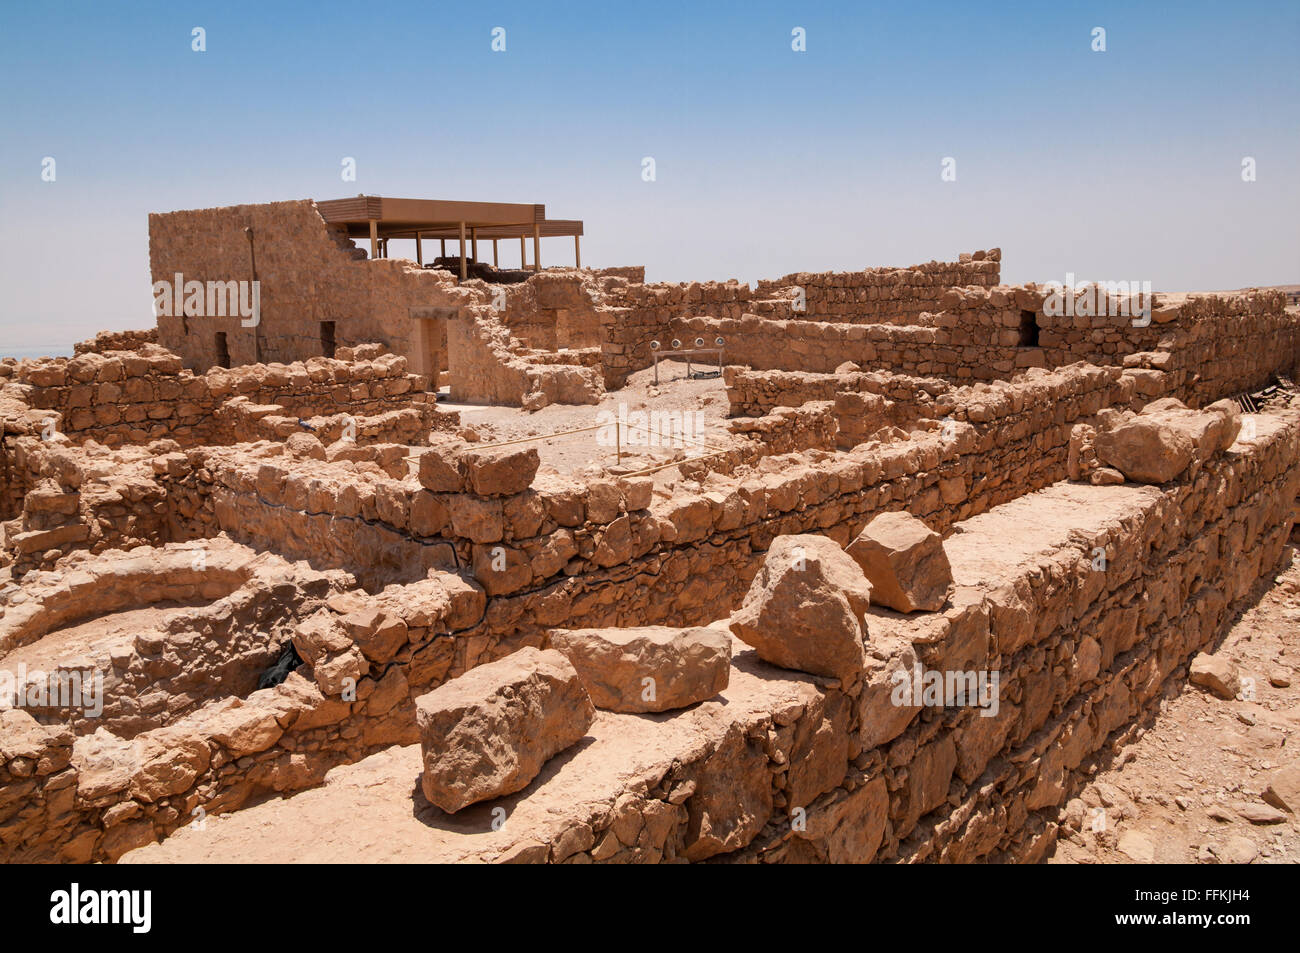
point(1116, 165)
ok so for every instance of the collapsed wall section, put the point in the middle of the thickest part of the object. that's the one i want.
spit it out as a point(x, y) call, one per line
point(490, 366)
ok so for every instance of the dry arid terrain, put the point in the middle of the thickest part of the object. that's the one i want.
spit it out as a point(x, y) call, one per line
point(1192, 786)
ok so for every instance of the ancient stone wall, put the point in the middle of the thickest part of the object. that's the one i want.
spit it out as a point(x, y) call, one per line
point(633, 315)
point(881, 295)
point(1083, 655)
point(96, 499)
point(308, 275)
point(116, 341)
point(1212, 346)
point(753, 393)
point(138, 396)
point(491, 367)
point(554, 309)
point(1080, 651)
point(241, 606)
point(550, 538)
point(93, 797)
point(976, 338)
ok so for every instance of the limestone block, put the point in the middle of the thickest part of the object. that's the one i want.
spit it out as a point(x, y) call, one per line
point(905, 562)
point(648, 668)
point(804, 609)
point(489, 732)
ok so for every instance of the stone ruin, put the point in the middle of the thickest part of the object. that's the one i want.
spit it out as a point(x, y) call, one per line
point(947, 551)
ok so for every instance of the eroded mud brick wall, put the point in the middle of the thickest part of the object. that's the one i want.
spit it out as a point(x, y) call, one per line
point(308, 276)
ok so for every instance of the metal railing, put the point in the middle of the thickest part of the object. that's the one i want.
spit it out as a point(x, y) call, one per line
point(678, 351)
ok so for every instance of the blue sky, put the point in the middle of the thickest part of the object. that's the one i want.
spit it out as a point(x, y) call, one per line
point(1122, 165)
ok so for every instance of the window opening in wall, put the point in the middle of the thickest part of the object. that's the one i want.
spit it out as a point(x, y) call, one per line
point(223, 351)
point(1028, 329)
point(327, 338)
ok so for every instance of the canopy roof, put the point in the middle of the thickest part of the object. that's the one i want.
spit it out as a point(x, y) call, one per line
point(435, 218)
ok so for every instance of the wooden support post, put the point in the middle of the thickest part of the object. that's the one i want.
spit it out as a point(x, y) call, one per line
point(537, 247)
point(577, 252)
point(444, 247)
point(419, 251)
point(463, 273)
point(523, 257)
point(494, 254)
point(473, 242)
point(374, 239)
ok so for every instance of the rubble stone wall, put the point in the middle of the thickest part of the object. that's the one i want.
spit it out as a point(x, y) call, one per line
point(95, 499)
point(241, 606)
point(1211, 346)
point(692, 553)
point(882, 295)
point(491, 367)
point(633, 315)
point(554, 309)
point(753, 393)
point(116, 341)
point(1081, 654)
point(126, 397)
point(93, 797)
point(976, 338)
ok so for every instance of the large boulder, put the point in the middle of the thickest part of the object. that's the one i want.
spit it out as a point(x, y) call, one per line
point(489, 732)
point(1147, 448)
point(648, 668)
point(499, 471)
point(805, 607)
point(1160, 443)
point(905, 562)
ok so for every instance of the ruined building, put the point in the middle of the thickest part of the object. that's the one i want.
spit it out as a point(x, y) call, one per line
point(391, 501)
